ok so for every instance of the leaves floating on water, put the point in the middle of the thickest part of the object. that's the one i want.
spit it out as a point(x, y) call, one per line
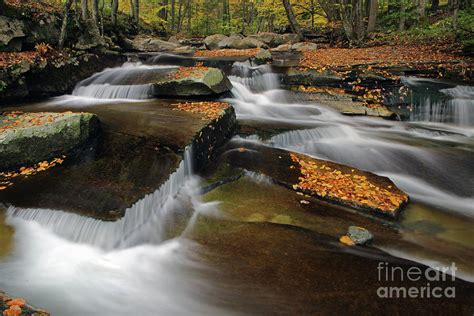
point(6, 178)
point(209, 110)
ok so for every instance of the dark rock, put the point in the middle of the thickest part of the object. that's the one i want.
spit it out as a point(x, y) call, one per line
point(12, 34)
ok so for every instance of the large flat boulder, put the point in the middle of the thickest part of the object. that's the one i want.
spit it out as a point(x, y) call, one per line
point(141, 145)
point(331, 182)
point(192, 81)
point(27, 138)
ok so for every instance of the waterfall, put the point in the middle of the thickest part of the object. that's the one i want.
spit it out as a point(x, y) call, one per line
point(444, 104)
point(144, 222)
point(131, 81)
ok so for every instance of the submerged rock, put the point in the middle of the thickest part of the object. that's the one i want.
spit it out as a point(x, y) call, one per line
point(192, 81)
point(32, 137)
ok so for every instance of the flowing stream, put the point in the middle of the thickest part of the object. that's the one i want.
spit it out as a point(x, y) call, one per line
point(132, 267)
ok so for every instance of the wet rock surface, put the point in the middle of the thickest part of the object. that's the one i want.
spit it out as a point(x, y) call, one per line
point(142, 144)
point(280, 165)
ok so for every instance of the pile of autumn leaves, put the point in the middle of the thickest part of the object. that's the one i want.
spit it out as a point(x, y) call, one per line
point(332, 183)
point(208, 110)
point(228, 53)
point(185, 72)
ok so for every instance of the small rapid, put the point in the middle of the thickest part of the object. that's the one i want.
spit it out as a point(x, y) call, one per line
point(413, 153)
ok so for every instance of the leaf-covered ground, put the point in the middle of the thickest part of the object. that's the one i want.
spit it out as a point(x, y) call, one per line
point(42, 53)
point(208, 110)
point(385, 56)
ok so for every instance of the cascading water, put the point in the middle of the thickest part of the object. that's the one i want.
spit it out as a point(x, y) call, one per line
point(130, 82)
point(384, 147)
point(144, 222)
point(453, 105)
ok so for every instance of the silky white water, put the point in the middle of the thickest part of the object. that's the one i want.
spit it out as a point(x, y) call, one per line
point(412, 153)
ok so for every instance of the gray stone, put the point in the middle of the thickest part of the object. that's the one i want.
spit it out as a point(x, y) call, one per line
point(45, 31)
point(274, 40)
point(12, 32)
point(263, 56)
point(150, 44)
point(208, 82)
point(27, 144)
point(212, 41)
point(359, 235)
point(304, 46)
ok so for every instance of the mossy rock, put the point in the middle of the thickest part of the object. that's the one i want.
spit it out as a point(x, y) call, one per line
point(32, 137)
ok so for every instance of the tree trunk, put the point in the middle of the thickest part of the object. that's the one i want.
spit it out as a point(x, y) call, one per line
point(179, 18)
point(373, 11)
point(136, 4)
point(84, 10)
point(295, 28)
point(358, 18)
point(132, 10)
point(62, 35)
point(455, 14)
point(421, 10)
point(434, 5)
point(173, 15)
point(242, 3)
point(401, 24)
point(95, 11)
point(115, 5)
point(189, 16)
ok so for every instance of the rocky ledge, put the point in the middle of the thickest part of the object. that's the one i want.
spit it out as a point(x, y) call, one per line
point(28, 138)
point(141, 145)
point(17, 306)
point(327, 181)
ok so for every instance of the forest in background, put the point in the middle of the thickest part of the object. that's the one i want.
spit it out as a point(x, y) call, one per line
point(354, 21)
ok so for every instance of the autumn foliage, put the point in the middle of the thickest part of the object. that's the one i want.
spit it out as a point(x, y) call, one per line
point(228, 53)
point(414, 56)
point(185, 72)
point(329, 182)
point(208, 110)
